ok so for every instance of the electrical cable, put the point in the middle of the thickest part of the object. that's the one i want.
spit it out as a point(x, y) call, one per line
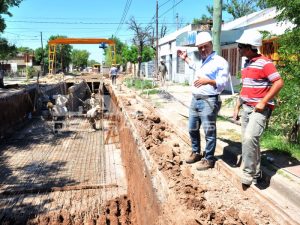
point(127, 6)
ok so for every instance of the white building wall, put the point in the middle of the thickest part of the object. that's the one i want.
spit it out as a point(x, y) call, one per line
point(262, 21)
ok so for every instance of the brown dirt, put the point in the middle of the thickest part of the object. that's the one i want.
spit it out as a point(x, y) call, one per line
point(190, 197)
point(195, 197)
point(117, 211)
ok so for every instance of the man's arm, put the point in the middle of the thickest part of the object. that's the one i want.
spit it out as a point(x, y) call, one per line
point(236, 110)
point(276, 87)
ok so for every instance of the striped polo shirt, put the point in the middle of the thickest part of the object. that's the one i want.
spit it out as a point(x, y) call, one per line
point(257, 79)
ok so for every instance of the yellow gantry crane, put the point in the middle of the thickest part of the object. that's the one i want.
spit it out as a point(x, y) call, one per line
point(53, 43)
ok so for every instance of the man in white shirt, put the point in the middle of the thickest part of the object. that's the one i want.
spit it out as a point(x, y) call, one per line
point(211, 77)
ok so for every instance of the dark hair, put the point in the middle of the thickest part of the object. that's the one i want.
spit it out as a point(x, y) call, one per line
point(251, 47)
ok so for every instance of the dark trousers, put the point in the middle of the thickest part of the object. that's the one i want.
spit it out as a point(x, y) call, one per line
point(113, 79)
point(1, 83)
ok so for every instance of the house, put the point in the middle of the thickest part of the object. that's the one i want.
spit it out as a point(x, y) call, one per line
point(20, 62)
point(184, 38)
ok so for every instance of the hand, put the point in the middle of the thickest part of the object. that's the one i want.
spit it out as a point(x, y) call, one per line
point(201, 81)
point(260, 107)
point(182, 54)
point(236, 115)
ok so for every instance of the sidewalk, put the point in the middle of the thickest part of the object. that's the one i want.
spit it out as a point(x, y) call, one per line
point(281, 177)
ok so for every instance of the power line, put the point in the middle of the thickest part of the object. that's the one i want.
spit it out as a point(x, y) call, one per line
point(170, 8)
point(21, 34)
point(127, 6)
point(163, 3)
point(61, 22)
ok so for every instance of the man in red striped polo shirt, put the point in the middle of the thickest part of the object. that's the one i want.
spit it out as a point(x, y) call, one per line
point(260, 84)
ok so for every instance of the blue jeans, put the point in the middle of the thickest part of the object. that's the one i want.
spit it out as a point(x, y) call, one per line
point(204, 112)
point(253, 125)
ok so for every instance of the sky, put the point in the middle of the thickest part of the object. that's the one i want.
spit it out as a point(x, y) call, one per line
point(94, 19)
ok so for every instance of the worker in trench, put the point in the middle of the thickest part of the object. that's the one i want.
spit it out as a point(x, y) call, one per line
point(93, 114)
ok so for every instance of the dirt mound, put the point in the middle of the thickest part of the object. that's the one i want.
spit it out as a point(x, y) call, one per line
point(117, 211)
point(188, 202)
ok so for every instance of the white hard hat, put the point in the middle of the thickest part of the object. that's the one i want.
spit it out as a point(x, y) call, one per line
point(202, 38)
point(251, 37)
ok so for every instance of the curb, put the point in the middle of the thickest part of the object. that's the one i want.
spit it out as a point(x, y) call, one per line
point(281, 200)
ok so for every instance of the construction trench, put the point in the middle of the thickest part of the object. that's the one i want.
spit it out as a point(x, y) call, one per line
point(129, 170)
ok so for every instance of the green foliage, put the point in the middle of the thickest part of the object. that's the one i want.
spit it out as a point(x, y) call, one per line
point(63, 54)
point(108, 52)
point(125, 53)
point(186, 83)
point(24, 50)
point(290, 10)
point(7, 51)
point(287, 115)
point(29, 72)
point(39, 55)
point(92, 62)
point(288, 111)
point(130, 54)
point(148, 54)
point(151, 92)
point(4, 6)
point(203, 20)
point(80, 58)
point(239, 8)
point(273, 139)
point(138, 83)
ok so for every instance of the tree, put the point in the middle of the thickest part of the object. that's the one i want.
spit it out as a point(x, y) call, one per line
point(7, 51)
point(290, 10)
point(4, 6)
point(26, 50)
point(80, 58)
point(108, 51)
point(39, 55)
point(287, 115)
point(142, 37)
point(130, 54)
point(92, 62)
point(239, 8)
point(204, 19)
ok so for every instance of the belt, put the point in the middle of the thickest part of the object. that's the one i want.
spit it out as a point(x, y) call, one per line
point(197, 97)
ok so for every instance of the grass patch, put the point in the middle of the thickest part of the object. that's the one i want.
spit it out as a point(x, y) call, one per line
point(139, 84)
point(274, 140)
point(150, 92)
point(222, 118)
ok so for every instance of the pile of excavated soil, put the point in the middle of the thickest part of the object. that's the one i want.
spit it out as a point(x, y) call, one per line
point(195, 197)
point(117, 211)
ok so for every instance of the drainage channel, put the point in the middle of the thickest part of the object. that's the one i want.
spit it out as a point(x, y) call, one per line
point(67, 175)
point(129, 170)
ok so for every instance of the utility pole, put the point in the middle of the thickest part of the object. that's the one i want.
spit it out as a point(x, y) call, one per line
point(217, 23)
point(156, 54)
point(42, 62)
